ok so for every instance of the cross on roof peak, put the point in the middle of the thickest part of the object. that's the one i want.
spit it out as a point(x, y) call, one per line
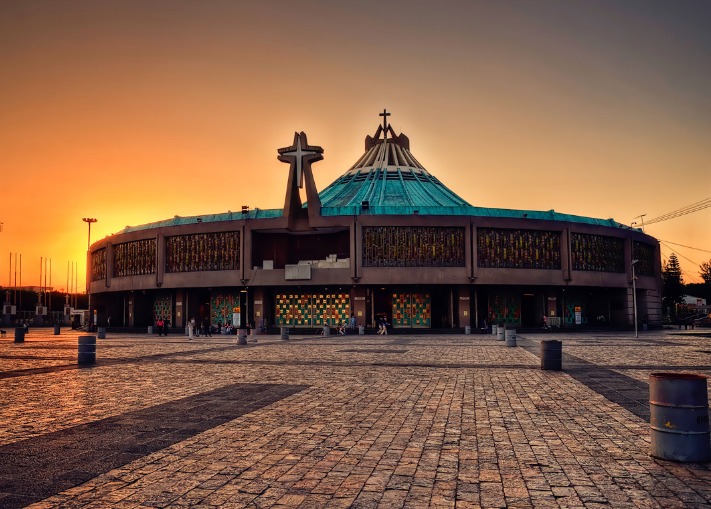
point(385, 116)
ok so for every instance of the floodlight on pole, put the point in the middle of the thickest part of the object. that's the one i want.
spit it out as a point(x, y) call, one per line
point(634, 298)
point(88, 221)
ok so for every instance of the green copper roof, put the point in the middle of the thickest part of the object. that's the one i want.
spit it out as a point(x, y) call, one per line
point(388, 175)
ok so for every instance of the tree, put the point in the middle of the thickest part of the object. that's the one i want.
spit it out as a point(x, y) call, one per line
point(672, 283)
point(705, 272)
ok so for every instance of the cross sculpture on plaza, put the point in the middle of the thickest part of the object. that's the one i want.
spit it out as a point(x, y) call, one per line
point(300, 155)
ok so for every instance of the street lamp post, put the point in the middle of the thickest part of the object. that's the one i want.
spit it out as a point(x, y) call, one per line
point(88, 221)
point(634, 298)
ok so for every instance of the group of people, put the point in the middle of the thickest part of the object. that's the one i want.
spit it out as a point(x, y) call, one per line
point(195, 329)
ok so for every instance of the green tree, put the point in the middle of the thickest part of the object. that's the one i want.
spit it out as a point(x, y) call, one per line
point(672, 284)
point(705, 272)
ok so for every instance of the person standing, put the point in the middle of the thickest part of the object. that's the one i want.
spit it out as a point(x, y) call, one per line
point(166, 324)
point(352, 324)
point(159, 326)
point(206, 327)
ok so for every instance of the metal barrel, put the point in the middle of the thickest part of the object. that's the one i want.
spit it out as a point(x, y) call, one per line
point(19, 334)
point(494, 329)
point(679, 417)
point(500, 333)
point(56, 329)
point(326, 330)
point(551, 355)
point(101, 332)
point(361, 330)
point(467, 329)
point(510, 335)
point(285, 333)
point(150, 329)
point(86, 354)
point(241, 336)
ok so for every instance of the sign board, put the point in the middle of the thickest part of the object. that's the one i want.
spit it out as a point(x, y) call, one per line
point(578, 315)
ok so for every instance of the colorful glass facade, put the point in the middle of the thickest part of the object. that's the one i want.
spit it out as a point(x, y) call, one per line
point(412, 309)
point(222, 307)
point(98, 264)
point(597, 253)
point(518, 249)
point(312, 309)
point(202, 251)
point(135, 258)
point(163, 308)
point(505, 309)
point(413, 246)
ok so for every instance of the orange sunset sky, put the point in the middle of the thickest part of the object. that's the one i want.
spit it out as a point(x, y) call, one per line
point(136, 111)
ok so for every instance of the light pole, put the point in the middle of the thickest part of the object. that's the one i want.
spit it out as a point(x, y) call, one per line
point(634, 298)
point(88, 221)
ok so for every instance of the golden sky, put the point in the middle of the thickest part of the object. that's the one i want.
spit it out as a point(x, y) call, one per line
point(133, 112)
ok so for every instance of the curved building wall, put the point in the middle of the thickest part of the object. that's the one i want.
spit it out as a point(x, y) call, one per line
point(476, 265)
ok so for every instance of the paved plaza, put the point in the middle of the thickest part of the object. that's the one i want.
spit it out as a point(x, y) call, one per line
point(357, 421)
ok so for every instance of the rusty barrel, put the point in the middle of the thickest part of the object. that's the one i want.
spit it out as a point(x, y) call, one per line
point(86, 354)
point(551, 355)
point(679, 417)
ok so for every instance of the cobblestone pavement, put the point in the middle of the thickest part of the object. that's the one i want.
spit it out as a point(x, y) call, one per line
point(439, 421)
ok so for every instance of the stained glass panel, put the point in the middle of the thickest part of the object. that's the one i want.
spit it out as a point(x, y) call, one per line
point(98, 264)
point(413, 246)
point(202, 251)
point(518, 249)
point(597, 253)
point(135, 258)
point(644, 253)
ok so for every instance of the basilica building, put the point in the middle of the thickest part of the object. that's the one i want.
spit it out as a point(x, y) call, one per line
point(386, 238)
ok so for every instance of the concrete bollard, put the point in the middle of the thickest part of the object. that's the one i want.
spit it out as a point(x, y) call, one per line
point(494, 329)
point(86, 353)
point(551, 355)
point(326, 330)
point(56, 329)
point(150, 329)
point(679, 417)
point(285, 333)
point(19, 334)
point(101, 332)
point(467, 329)
point(510, 335)
point(361, 330)
point(500, 333)
point(241, 336)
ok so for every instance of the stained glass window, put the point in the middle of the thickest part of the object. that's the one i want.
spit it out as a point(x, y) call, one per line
point(163, 308)
point(644, 253)
point(312, 309)
point(202, 251)
point(412, 309)
point(413, 246)
point(135, 258)
point(517, 249)
point(597, 253)
point(98, 264)
point(505, 309)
